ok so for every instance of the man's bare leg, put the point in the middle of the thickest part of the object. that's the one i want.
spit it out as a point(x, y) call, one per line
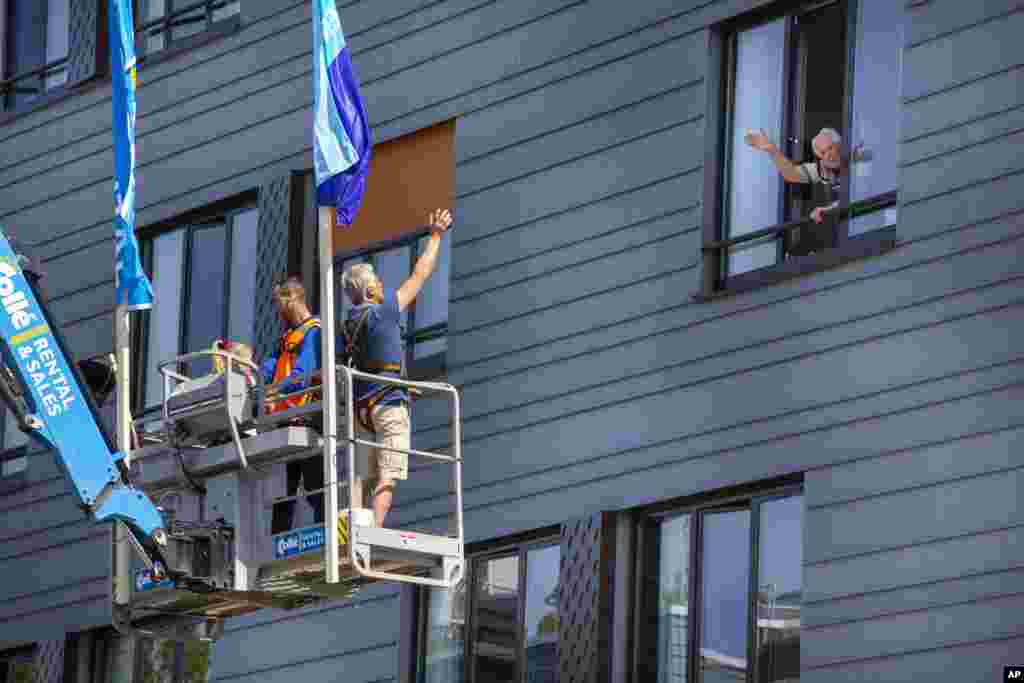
point(382, 496)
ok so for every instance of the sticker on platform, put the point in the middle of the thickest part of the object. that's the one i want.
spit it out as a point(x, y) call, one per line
point(1013, 673)
point(298, 542)
point(144, 581)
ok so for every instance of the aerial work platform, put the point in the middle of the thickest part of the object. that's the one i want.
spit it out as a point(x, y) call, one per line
point(218, 463)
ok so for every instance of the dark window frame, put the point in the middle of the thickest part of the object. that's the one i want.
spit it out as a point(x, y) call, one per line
point(220, 215)
point(646, 578)
point(40, 73)
point(518, 548)
point(164, 26)
point(429, 367)
point(715, 247)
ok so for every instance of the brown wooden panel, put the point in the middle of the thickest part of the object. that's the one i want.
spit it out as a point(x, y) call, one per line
point(409, 176)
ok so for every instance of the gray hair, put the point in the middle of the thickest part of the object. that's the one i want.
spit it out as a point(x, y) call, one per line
point(357, 280)
point(830, 133)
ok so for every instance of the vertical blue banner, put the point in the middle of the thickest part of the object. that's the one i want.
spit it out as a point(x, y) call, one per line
point(341, 133)
point(133, 287)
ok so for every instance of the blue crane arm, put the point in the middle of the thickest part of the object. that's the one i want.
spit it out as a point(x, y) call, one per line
point(59, 413)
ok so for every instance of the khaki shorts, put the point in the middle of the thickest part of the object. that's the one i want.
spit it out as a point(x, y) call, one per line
point(392, 425)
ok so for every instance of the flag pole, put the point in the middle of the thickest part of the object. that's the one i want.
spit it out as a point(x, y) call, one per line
point(329, 383)
point(122, 346)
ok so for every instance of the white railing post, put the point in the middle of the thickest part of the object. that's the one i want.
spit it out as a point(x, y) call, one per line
point(329, 387)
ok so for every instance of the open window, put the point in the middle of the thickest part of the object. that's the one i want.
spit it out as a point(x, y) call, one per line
point(824, 68)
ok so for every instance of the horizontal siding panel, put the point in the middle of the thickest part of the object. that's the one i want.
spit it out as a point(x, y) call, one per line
point(945, 560)
point(605, 238)
point(547, 151)
point(888, 636)
point(971, 206)
point(931, 19)
point(582, 96)
point(56, 568)
point(97, 589)
point(374, 665)
point(898, 471)
point(86, 303)
point(31, 519)
point(977, 132)
point(90, 337)
point(974, 505)
point(656, 258)
point(976, 164)
point(916, 598)
point(462, 36)
point(323, 634)
point(970, 663)
point(916, 416)
point(973, 53)
point(53, 624)
point(512, 254)
point(763, 334)
point(576, 183)
point(969, 102)
point(34, 492)
point(743, 380)
point(68, 534)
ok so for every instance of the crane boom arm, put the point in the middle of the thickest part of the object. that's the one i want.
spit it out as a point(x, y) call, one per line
point(53, 407)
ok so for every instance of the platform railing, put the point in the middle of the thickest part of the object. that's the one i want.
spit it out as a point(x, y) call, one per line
point(364, 565)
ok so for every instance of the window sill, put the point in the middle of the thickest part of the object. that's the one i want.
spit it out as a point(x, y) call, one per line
point(864, 246)
point(47, 99)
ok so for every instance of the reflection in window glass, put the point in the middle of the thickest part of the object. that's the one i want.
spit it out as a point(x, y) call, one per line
point(154, 9)
point(878, 68)
point(753, 196)
point(673, 599)
point(164, 318)
point(392, 266)
point(444, 641)
point(724, 595)
point(542, 571)
point(495, 622)
point(780, 567)
point(432, 302)
point(243, 276)
point(206, 308)
point(56, 40)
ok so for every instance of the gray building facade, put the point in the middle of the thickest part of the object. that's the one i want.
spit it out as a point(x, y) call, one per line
point(690, 457)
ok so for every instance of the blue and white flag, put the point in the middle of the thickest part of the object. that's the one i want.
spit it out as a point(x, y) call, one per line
point(341, 134)
point(133, 288)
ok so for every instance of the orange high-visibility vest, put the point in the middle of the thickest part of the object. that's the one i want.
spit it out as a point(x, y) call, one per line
point(291, 342)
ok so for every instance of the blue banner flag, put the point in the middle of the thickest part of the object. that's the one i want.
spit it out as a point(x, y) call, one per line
point(341, 134)
point(133, 288)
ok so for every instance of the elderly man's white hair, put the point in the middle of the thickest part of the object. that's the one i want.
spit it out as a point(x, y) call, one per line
point(357, 280)
point(831, 134)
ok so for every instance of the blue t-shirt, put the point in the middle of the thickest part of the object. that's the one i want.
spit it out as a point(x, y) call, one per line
point(383, 344)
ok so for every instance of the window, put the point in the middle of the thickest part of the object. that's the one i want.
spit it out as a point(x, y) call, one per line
point(409, 177)
point(499, 626)
point(832, 66)
point(204, 283)
point(33, 49)
point(166, 23)
point(425, 322)
point(724, 594)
